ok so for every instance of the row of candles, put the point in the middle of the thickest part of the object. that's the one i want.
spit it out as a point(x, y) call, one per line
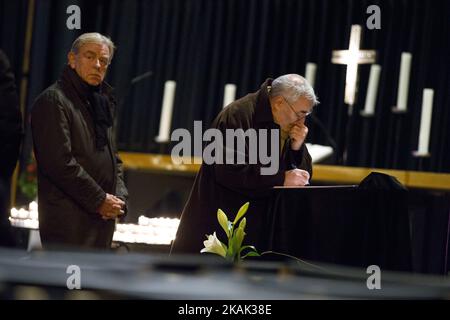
point(310, 73)
point(24, 218)
point(159, 231)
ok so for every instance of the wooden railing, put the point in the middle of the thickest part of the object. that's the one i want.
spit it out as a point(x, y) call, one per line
point(322, 173)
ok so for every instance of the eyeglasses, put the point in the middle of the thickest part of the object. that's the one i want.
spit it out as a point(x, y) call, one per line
point(104, 62)
point(300, 115)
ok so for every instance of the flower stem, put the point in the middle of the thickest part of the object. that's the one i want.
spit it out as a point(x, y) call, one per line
point(292, 257)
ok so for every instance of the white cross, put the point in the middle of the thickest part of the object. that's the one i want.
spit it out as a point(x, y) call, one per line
point(352, 57)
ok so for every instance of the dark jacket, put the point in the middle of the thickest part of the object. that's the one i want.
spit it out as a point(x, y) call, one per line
point(10, 140)
point(73, 175)
point(228, 187)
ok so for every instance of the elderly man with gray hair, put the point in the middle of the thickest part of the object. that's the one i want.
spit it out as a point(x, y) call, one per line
point(81, 190)
point(279, 105)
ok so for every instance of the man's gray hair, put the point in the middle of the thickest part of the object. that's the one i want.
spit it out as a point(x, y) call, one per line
point(93, 37)
point(292, 87)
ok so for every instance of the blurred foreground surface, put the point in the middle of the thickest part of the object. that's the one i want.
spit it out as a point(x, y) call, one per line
point(47, 275)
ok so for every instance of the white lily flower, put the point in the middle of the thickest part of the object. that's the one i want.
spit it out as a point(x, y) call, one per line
point(213, 245)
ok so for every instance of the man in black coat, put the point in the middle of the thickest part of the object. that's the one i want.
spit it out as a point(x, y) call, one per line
point(81, 190)
point(10, 139)
point(280, 106)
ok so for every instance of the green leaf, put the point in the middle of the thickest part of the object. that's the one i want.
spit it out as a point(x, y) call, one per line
point(223, 221)
point(251, 254)
point(230, 250)
point(247, 247)
point(224, 246)
point(238, 239)
point(241, 212)
point(234, 244)
point(243, 224)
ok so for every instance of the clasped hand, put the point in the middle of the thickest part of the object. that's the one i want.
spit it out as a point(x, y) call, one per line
point(111, 208)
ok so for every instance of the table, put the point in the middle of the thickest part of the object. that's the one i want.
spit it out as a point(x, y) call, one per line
point(342, 225)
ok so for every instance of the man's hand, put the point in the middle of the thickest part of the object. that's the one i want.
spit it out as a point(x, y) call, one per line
point(298, 134)
point(296, 177)
point(111, 208)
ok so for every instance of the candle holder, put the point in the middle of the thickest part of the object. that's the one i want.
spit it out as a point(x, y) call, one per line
point(421, 154)
point(366, 129)
point(366, 114)
point(398, 123)
point(164, 147)
point(421, 157)
point(396, 110)
point(343, 157)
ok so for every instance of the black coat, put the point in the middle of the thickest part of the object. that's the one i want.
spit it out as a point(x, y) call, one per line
point(73, 175)
point(10, 139)
point(228, 187)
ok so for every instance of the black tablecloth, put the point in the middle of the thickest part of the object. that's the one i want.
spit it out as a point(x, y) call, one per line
point(342, 225)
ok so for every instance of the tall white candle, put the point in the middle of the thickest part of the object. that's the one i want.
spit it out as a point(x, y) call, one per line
point(166, 112)
point(310, 73)
point(403, 81)
point(229, 94)
point(371, 97)
point(425, 121)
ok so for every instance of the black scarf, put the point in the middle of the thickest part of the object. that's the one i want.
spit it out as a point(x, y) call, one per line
point(98, 106)
point(101, 113)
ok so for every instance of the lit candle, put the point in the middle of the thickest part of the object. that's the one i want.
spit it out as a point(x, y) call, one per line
point(166, 112)
point(34, 215)
point(371, 97)
point(425, 121)
point(229, 94)
point(310, 73)
point(14, 213)
point(23, 214)
point(33, 206)
point(403, 81)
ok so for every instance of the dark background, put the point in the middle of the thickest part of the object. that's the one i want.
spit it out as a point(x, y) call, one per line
point(204, 44)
